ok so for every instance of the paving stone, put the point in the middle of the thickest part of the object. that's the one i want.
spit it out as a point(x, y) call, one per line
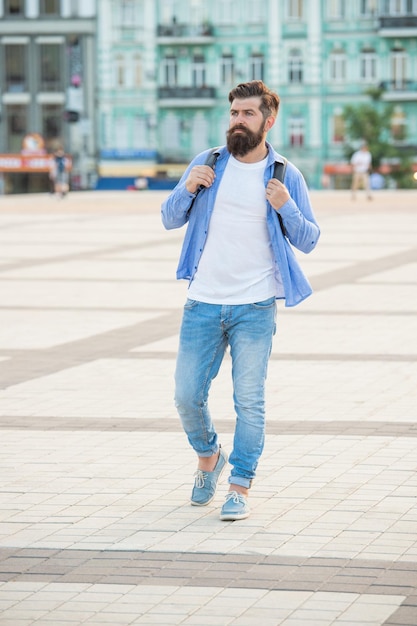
point(94, 490)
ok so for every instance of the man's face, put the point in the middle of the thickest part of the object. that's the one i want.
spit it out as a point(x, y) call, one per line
point(247, 127)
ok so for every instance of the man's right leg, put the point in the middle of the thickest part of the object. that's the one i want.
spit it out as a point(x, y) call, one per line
point(200, 354)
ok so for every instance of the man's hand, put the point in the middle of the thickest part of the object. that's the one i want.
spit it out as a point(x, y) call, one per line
point(276, 193)
point(199, 175)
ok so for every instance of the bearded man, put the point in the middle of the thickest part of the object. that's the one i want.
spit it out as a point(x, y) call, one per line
point(239, 261)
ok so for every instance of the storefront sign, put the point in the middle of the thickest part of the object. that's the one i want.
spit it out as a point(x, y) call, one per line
point(128, 153)
point(26, 163)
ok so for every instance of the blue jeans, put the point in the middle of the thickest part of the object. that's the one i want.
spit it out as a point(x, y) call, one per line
point(206, 331)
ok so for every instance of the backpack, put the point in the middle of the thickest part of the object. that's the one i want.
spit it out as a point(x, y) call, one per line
point(279, 174)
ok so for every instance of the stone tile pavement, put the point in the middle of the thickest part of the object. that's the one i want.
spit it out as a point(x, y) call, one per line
point(95, 472)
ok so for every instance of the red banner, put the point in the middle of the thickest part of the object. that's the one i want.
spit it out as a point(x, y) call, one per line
point(27, 163)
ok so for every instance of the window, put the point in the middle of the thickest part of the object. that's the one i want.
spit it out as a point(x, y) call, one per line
point(256, 67)
point(197, 13)
point(120, 71)
point(16, 126)
point(255, 12)
point(295, 9)
point(227, 12)
point(167, 11)
point(296, 129)
point(50, 67)
point(227, 69)
point(15, 67)
point(397, 7)
point(400, 7)
point(137, 69)
point(368, 65)
point(52, 116)
point(398, 68)
point(338, 127)
point(199, 71)
point(367, 8)
point(127, 14)
point(336, 9)
point(171, 133)
point(398, 125)
point(14, 8)
point(169, 71)
point(121, 136)
point(338, 66)
point(295, 66)
point(139, 131)
point(199, 133)
point(49, 7)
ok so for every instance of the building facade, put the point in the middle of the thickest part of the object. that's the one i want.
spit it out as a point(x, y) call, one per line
point(47, 86)
point(138, 87)
point(166, 68)
point(127, 111)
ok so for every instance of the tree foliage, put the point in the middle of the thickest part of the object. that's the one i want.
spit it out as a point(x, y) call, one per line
point(365, 122)
point(372, 124)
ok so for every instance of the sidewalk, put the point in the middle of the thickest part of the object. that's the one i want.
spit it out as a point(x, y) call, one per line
point(95, 475)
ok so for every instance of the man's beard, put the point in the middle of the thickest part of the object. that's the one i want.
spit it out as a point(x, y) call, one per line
point(240, 144)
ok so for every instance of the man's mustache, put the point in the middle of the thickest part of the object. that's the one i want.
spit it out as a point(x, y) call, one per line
point(238, 127)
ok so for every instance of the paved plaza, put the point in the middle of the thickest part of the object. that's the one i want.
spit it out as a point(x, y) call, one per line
point(95, 472)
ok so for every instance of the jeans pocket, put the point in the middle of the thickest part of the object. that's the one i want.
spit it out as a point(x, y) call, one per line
point(265, 304)
point(189, 303)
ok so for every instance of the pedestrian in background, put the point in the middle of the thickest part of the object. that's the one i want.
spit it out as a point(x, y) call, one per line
point(361, 162)
point(58, 173)
point(238, 262)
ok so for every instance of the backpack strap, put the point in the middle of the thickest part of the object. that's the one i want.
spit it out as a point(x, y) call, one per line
point(212, 158)
point(211, 162)
point(280, 169)
point(279, 174)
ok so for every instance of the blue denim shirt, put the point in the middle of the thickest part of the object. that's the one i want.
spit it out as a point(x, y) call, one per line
point(302, 230)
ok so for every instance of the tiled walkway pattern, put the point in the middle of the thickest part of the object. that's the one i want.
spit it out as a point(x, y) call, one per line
point(95, 475)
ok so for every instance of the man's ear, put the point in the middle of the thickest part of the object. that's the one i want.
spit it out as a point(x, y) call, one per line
point(269, 122)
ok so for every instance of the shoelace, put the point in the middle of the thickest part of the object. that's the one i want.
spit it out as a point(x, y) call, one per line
point(200, 477)
point(235, 496)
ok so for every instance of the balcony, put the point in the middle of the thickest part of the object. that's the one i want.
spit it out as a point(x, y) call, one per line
point(51, 85)
point(185, 33)
point(396, 90)
point(16, 84)
point(186, 96)
point(398, 26)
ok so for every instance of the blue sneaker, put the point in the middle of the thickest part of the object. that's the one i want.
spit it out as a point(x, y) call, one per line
point(206, 482)
point(236, 507)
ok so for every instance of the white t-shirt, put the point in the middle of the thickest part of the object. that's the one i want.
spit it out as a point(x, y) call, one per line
point(361, 161)
point(237, 264)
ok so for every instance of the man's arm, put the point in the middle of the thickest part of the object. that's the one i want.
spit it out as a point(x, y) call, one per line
point(292, 202)
point(175, 209)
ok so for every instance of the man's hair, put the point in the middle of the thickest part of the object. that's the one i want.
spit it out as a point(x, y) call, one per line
point(269, 99)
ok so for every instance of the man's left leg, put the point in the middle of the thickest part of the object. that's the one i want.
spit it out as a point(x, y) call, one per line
point(250, 337)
